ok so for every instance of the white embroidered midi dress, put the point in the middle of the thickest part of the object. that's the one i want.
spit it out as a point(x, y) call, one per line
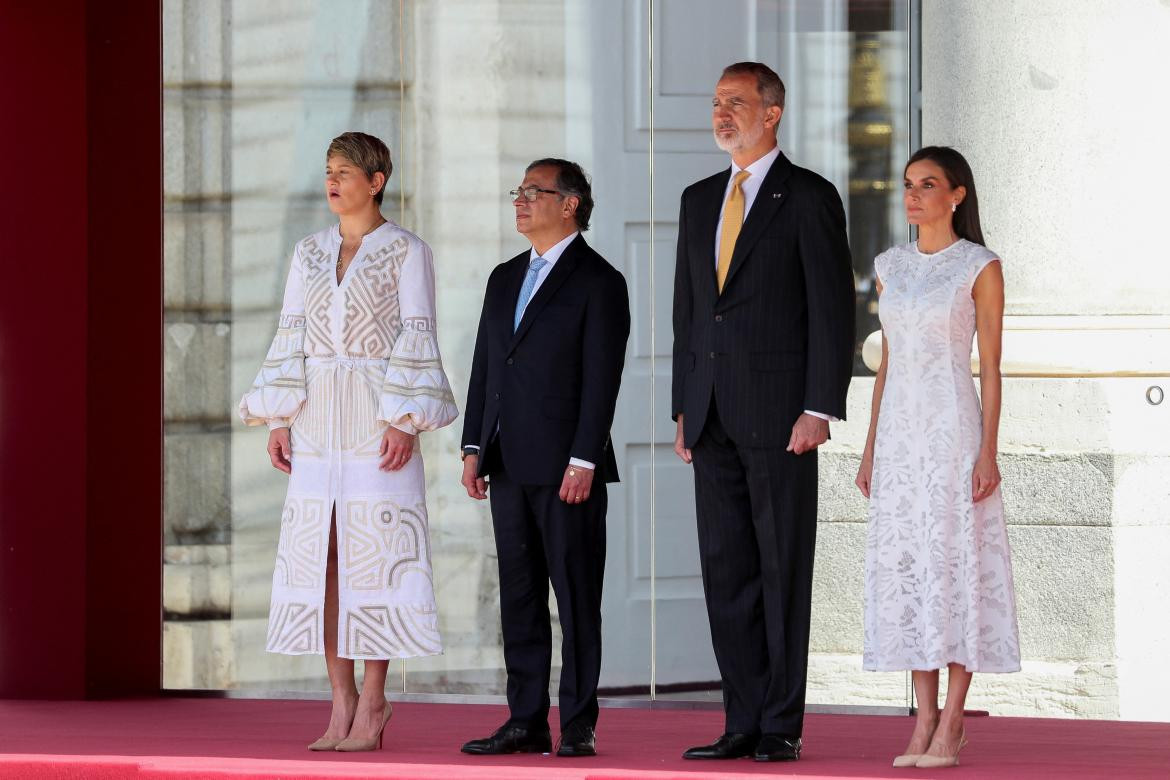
point(938, 576)
point(349, 359)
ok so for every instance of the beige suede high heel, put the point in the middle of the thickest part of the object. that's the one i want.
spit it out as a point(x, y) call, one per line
point(329, 744)
point(928, 761)
point(350, 745)
point(911, 759)
point(907, 759)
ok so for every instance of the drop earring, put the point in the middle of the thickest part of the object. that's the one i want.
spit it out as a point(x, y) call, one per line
point(954, 207)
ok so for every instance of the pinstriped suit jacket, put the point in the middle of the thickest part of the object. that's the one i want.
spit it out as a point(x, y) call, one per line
point(780, 337)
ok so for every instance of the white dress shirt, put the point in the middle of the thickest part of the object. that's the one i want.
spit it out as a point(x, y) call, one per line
point(751, 187)
point(551, 256)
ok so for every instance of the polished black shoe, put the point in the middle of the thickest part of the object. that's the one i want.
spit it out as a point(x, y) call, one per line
point(511, 738)
point(777, 747)
point(577, 740)
point(727, 746)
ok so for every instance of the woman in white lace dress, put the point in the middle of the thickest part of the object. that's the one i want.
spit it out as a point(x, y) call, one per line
point(938, 579)
point(352, 377)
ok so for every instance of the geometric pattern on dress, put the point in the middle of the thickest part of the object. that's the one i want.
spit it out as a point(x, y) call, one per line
point(372, 322)
point(348, 334)
point(310, 435)
point(938, 576)
point(341, 409)
point(320, 282)
point(279, 387)
point(294, 629)
point(301, 553)
point(383, 542)
point(360, 433)
point(382, 632)
point(416, 372)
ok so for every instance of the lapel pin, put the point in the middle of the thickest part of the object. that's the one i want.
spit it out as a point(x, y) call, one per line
point(777, 195)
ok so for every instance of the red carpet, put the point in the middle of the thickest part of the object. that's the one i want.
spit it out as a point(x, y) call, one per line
point(235, 738)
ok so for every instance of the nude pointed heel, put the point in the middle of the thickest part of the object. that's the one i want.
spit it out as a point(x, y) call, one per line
point(927, 761)
point(911, 759)
point(326, 743)
point(348, 745)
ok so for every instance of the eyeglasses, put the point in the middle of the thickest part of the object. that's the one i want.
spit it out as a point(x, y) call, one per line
point(530, 193)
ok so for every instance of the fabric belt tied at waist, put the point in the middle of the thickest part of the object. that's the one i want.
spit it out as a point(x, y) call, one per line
point(348, 363)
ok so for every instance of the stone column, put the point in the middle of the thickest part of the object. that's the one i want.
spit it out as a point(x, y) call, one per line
point(1061, 111)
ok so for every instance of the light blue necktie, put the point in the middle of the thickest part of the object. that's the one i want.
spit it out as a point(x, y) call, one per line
point(534, 267)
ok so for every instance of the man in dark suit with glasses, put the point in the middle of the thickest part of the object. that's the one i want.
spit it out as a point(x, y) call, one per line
point(544, 383)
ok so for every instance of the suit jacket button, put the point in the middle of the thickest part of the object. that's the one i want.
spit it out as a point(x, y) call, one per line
point(719, 318)
point(712, 355)
point(509, 361)
point(497, 396)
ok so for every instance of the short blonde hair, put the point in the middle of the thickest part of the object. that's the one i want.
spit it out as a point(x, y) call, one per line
point(366, 152)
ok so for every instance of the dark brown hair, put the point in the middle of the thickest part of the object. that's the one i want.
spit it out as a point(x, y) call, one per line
point(965, 220)
point(768, 84)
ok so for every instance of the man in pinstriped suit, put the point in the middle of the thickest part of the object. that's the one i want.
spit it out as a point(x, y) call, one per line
point(763, 348)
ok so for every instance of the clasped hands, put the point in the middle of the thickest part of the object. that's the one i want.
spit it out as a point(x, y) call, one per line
point(808, 433)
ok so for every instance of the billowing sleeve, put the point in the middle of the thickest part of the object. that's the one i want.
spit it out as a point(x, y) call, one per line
point(279, 389)
point(416, 395)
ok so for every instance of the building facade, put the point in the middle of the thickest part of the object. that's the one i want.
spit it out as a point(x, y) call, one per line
point(1055, 108)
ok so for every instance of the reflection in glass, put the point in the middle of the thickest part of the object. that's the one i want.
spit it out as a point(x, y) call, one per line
point(467, 94)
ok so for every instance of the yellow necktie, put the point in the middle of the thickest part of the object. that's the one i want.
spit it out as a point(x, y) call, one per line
point(732, 222)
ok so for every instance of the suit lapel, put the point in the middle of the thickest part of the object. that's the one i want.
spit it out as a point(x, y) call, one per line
point(514, 283)
point(770, 198)
point(708, 218)
point(561, 271)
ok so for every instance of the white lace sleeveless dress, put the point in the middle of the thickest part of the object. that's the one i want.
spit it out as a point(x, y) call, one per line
point(938, 575)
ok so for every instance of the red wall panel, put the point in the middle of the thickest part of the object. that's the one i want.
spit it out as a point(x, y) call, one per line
point(80, 364)
point(124, 349)
point(43, 350)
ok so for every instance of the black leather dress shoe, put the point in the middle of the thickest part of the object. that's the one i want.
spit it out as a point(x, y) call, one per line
point(577, 740)
point(727, 746)
point(777, 747)
point(511, 738)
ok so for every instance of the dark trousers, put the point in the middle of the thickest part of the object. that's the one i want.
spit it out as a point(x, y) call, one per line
point(757, 532)
point(539, 539)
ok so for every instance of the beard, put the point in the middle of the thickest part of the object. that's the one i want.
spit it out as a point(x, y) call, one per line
point(741, 139)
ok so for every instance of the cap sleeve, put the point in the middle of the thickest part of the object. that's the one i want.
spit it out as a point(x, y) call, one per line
point(980, 258)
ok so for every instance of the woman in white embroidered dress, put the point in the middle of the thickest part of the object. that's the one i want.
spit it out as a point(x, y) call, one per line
point(938, 579)
point(352, 377)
